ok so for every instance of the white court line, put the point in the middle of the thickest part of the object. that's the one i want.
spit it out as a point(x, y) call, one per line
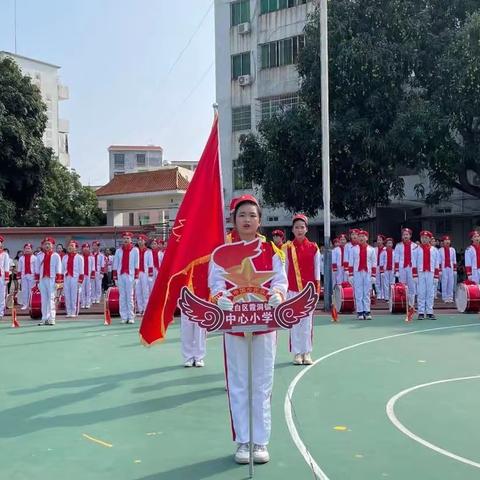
point(321, 475)
point(393, 418)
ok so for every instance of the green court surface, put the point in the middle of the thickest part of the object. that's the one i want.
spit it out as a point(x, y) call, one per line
point(85, 401)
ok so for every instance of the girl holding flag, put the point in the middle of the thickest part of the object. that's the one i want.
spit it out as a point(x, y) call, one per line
point(246, 220)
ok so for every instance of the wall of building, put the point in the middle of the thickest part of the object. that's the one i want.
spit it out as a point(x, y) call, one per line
point(153, 161)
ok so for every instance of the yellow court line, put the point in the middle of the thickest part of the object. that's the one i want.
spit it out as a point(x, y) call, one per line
point(96, 440)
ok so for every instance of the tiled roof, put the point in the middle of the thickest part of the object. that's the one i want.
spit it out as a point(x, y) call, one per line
point(162, 180)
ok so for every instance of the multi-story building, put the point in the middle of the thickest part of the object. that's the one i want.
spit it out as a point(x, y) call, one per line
point(257, 45)
point(133, 159)
point(45, 76)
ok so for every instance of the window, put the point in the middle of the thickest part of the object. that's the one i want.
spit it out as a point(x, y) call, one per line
point(119, 161)
point(155, 160)
point(239, 182)
point(242, 118)
point(268, 6)
point(281, 52)
point(240, 12)
point(240, 65)
point(143, 218)
point(273, 105)
point(141, 160)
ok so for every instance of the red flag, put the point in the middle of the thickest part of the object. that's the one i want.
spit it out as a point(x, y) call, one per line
point(199, 228)
point(334, 313)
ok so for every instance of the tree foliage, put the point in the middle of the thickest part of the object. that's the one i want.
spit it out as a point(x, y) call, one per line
point(404, 93)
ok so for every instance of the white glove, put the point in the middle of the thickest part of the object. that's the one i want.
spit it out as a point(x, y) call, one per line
point(470, 278)
point(415, 281)
point(275, 300)
point(435, 283)
point(224, 303)
point(374, 281)
point(350, 281)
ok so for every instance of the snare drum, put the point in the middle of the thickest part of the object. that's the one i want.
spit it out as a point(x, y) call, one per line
point(35, 304)
point(468, 298)
point(398, 298)
point(343, 298)
point(112, 298)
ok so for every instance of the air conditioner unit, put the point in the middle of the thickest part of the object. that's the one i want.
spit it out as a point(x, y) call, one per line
point(244, 28)
point(244, 80)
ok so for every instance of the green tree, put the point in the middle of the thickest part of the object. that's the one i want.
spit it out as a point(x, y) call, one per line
point(24, 160)
point(64, 201)
point(393, 68)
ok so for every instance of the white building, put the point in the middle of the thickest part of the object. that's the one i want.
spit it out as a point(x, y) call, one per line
point(256, 45)
point(134, 158)
point(45, 77)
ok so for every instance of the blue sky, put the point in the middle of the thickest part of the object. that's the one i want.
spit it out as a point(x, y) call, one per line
point(115, 57)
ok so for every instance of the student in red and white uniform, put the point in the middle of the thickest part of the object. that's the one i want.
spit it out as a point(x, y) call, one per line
point(26, 274)
point(145, 274)
point(363, 271)
point(302, 263)
point(89, 274)
point(157, 257)
point(125, 272)
point(472, 258)
point(4, 275)
point(193, 337)
point(448, 268)
point(378, 250)
point(403, 260)
point(73, 268)
point(278, 238)
point(246, 219)
point(348, 247)
point(339, 272)
point(48, 274)
point(426, 273)
point(60, 250)
point(99, 270)
point(387, 268)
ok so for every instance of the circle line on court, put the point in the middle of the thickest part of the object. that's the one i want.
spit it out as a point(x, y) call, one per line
point(390, 410)
point(317, 470)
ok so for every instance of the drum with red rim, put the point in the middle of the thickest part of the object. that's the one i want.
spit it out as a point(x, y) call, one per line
point(468, 297)
point(343, 298)
point(112, 299)
point(35, 304)
point(398, 298)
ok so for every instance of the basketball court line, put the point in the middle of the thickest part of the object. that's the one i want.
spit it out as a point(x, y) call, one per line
point(317, 470)
point(390, 409)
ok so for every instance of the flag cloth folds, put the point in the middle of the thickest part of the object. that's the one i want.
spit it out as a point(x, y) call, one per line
point(199, 229)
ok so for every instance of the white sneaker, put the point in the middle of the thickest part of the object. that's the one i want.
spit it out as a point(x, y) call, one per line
point(188, 364)
point(131, 320)
point(124, 321)
point(50, 322)
point(298, 360)
point(42, 323)
point(25, 307)
point(242, 455)
point(260, 454)
point(199, 363)
point(307, 359)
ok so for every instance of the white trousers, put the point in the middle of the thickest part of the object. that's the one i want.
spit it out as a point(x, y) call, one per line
point(426, 292)
point(3, 292)
point(475, 275)
point(126, 285)
point(379, 285)
point(96, 288)
point(142, 291)
point(405, 276)
point(194, 340)
point(28, 281)
point(339, 277)
point(301, 334)
point(236, 364)
point(47, 296)
point(387, 280)
point(72, 295)
point(85, 297)
point(447, 283)
point(362, 284)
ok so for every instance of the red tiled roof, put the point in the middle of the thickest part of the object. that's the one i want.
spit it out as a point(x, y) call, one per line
point(154, 181)
point(129, 148)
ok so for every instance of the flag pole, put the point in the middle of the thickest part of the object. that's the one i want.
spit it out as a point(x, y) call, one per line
point(249, 337)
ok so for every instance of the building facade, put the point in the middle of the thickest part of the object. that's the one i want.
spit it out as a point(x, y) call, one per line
point(45, 77)
point(133, 159)
point(256, 45)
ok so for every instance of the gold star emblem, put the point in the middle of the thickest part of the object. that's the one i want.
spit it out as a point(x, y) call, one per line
point(247, 276)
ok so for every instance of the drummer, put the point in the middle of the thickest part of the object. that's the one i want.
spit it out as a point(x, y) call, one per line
point(73, 271)
point(362, 271)
point(386, 268)
point(472, 258)
point(448, 267)
point(339, 272)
